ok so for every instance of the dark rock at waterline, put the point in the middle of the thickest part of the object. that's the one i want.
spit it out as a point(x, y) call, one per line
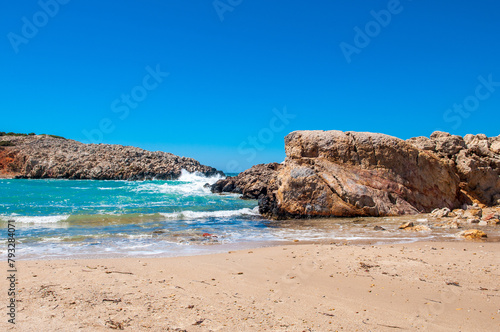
point(252, 183)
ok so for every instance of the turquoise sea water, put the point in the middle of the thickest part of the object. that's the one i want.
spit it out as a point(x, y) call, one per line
point(86, 219)
point(57, 218)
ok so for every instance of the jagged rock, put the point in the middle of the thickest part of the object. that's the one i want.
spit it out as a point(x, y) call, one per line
point(378, 228)
point(493, 222)
point(476, 159)
point(473, 220)
point(406, 225)
point(495, 145)
point(42, 156)
point(490, 216)
point(440, 213)
point(449, 224)
point(409, 226)
point(418, 228)
point(473, 234)
point(439, 142)
point(253, 183)
point(459, 213)
point(473, 212)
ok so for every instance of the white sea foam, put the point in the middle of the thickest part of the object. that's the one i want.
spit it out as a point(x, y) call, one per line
point(136, 236)
point(36, 219)
point(191, 184)
point(197, 177)
point(212, 214)
point(52, 239)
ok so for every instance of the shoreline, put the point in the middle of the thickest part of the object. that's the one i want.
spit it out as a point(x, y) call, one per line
point(319, 231)
point(442, 286)
point(215, 249)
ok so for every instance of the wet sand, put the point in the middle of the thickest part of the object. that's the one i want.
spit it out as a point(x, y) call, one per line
point(434, 286)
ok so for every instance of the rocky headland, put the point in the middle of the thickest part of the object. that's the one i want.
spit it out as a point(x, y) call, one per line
point(334, 173)
point(46, 156)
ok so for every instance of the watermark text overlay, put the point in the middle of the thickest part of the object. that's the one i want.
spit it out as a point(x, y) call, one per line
point(11, 272)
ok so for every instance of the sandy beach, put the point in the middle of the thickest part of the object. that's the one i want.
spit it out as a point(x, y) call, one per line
point(435, 286)
point(229, 165)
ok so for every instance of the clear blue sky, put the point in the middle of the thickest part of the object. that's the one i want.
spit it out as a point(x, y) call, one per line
point(232, 67)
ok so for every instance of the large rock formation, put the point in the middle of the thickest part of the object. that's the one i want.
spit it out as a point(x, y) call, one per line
point(43, 156)
point(333, 173)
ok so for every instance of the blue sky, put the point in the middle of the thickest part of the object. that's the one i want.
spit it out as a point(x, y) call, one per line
point(224, 81)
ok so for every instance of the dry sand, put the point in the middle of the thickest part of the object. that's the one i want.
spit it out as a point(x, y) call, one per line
point(435, 286)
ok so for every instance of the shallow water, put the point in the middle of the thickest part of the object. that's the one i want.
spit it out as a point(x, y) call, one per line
point(362, 230)
point(84, 219)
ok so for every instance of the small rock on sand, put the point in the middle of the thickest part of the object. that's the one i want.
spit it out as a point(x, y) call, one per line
point(409, 226)
point(406, 225)
point(449, 224)
point(473, 234)
point(494, 222)
point(419, 228)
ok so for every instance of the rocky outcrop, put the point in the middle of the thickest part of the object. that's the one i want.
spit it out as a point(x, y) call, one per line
point(43, 156)
point(334, 173)
point(473, 215)
point(258, 182)
point(252, 183)
point(475, 159)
